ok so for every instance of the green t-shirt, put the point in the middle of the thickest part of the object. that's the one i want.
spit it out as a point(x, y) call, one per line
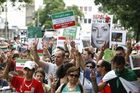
point(68, 90)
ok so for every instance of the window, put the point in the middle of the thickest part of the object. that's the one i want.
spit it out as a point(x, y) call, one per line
point(85, 20)
point(89, 20)
point(90, 8)
point(81, 8)
point(85, 8)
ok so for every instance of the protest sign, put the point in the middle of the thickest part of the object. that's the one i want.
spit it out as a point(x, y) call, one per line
point(100, 31)
point(118, 38)
point(63, 19)
point(135, 61)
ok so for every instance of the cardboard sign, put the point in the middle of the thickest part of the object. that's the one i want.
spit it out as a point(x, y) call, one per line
point(108, 54)
point(100, 29)
point(60, 41)
point(135, 61)
point(63, 20)
point(118, 38)
point(70, 33)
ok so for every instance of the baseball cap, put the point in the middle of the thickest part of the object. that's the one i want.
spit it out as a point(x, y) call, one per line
point(30, 65)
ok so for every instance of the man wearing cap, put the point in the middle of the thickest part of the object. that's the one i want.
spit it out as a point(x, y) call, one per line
point(27, 84)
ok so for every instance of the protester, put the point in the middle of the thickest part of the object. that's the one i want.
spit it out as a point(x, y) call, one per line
point(84, 73)
point(49, 67)
point(73, 85)
point(90, 65)
point(61, 76)
point(40, 75)
point(120, 78)
point(25, 84)
point(3, 82)
point(88, 55)
point(102, 68)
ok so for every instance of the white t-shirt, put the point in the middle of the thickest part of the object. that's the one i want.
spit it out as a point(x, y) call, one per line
point(50, 68)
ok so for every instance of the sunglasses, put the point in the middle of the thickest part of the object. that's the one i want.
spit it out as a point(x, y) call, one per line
point(89, 66)
point(98, 66)
point(74, 75)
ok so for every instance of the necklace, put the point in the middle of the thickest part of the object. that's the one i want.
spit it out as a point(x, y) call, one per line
point(71, 88)
point(28, 86)
point(24, 84)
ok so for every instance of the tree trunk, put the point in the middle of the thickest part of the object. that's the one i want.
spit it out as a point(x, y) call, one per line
point(138, 33)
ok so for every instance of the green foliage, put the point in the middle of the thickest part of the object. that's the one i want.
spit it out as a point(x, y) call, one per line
point(26, 1)
point(50, 8)
point(127, 11)
point(77, 12)
point(54, 7)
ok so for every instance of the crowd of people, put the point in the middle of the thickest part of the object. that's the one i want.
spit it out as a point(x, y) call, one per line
point(67, 70)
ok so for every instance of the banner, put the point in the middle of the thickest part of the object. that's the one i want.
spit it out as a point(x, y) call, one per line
point(70, 33)
point(60, 41)
point(34, 32)
point(63, 19)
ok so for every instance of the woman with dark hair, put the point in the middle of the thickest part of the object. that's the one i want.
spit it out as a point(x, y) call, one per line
point(61, 74)
point(73, 85)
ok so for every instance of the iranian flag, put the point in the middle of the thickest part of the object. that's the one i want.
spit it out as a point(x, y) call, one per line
point(130, 86)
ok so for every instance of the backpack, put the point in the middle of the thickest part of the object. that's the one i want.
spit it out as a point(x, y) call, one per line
point(64, 85)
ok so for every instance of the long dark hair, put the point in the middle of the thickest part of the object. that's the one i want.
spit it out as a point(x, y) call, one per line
point(61, 72)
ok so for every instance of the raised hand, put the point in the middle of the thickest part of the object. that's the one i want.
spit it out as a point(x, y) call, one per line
point(92, 75)
point(34, 44)
point(72, 44)
point(45, 44)
point(53, 81)
point(104, 46)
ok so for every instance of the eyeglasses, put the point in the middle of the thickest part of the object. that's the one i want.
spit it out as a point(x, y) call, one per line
point(74, 75)
point(98, 66)
point(67, 56)
point(89, 66)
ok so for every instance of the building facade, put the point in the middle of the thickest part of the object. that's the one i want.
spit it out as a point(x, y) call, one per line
point(88, 8)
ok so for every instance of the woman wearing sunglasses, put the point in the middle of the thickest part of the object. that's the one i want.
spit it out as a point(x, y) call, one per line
point(73, 85)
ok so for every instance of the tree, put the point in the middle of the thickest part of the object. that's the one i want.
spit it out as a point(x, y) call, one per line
point(26, 1)
point(77, 12)
point(54, 7)
point(127, 11)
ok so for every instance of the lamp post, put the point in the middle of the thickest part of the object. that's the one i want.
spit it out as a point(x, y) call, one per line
point(38, 23)
point(6, 21)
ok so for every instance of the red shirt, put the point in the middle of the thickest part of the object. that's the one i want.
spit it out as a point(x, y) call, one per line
point(21, 85)
point(106, 89)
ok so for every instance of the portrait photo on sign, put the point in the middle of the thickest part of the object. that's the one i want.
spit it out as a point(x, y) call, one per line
point(135, 61)
point(116, 37)
point(100, 30)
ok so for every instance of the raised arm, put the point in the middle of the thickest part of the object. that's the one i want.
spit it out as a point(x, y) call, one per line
point(45, 47)
point(35, 54)
point(96, 87)
point(79, 60)
point(6, 74)
point(65, 46)
point(101, 54)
